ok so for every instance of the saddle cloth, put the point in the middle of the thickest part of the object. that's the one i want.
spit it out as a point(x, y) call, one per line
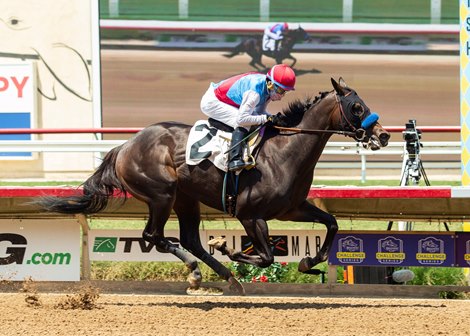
point(207, 142)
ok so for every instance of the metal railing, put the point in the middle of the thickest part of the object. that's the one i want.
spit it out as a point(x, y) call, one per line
point(345, 148)
point(332, 148)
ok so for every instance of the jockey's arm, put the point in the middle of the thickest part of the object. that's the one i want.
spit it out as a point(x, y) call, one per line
point(248, 114)
point(275, 36)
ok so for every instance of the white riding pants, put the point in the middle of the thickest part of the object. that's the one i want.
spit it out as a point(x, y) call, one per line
point(268, 43)
point(215, 109)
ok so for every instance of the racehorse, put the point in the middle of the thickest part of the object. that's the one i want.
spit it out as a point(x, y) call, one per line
point(151, 167)
point(253, 47)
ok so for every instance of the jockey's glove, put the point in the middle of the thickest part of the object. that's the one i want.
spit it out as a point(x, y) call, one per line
point(275, 120)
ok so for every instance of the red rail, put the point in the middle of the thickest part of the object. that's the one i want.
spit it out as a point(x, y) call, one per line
point(117, 130)
point(315, 192)
point(114, 130)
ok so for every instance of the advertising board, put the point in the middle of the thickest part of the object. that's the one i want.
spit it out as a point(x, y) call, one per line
point(128, 245)
point(396, 249)
point(18, 102)
point(462, 249)
point(42, 249)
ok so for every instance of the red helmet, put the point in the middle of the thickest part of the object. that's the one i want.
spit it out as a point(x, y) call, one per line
point(285, 26)
point(283, 76)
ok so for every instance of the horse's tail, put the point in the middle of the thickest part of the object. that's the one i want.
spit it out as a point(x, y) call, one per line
point(239, 48)
point(97, 190)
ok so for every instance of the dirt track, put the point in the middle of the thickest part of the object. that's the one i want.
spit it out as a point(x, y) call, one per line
point(181, 315)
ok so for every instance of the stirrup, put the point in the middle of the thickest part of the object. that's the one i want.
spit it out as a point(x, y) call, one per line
point(237, 165)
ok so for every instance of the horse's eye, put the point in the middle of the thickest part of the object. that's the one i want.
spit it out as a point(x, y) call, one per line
point(357, 109)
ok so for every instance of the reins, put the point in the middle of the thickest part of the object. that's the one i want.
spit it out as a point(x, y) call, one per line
point(354, 134)
point(314, 131)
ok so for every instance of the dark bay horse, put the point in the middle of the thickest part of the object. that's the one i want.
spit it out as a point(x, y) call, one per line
point(151, 167)
point(253, 47)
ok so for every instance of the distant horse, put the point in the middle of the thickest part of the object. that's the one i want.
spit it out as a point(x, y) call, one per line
point(253, 47)
point(151, 167)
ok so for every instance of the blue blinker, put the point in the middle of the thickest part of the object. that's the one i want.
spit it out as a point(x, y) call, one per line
point(370, 120)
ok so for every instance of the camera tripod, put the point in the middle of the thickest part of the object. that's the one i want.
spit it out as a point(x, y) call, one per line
point(411, 172)
point(412, 167)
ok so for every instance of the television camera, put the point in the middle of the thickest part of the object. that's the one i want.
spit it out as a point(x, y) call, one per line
point(412, 168)
point(412, 137)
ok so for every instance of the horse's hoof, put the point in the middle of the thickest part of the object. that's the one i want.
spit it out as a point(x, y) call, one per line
point(194, 280)
point(161, 250)
point(235, 286)
point(305, 264)
point(217, 243)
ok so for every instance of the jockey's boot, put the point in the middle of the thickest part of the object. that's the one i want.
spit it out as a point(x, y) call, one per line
point(235, 155)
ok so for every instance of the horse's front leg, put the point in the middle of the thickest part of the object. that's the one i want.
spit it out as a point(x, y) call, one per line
point(279, 58)
point(257, 230)
point(307, 212)
point(294, 60)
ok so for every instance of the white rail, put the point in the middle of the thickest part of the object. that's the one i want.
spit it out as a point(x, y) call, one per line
point(250, 27)
point(332, 148)
point(40, 146)
point(452, 148)
point(393, 148)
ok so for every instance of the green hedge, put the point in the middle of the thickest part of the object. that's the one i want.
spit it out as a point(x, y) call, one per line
point(378, 11)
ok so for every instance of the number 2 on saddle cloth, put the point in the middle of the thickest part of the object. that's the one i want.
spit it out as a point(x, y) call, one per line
point(206, 140)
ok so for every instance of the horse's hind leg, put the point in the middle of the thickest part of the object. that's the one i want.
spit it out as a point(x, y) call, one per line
point(154, 233)
point(187, 210)
point(255, 60)
point(156, 186)
point(254, 63)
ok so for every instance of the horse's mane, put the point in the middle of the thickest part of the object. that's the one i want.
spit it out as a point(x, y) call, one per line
point(293, 114)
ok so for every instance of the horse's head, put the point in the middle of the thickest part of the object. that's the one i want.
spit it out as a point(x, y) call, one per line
point(298, 35)
point(354, 116)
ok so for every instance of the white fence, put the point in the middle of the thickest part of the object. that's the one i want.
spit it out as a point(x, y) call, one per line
point(433, 148)
point(332, 148)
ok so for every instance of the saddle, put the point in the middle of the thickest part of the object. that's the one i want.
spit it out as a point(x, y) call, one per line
point(210, 140)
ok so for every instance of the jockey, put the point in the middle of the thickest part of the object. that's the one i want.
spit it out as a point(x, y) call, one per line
point(273, 35)
point(240, 102)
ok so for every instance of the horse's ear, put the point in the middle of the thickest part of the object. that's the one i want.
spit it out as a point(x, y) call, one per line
point(338, 88)
point(343, 83)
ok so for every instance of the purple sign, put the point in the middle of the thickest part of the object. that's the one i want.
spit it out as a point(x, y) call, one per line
point(393, 249)
point(462, 249)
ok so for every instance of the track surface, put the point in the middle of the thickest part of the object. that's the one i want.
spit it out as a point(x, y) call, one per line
point(182, 315)
point(144, 87)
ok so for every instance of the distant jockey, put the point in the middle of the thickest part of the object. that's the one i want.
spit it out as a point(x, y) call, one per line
point(273, 36)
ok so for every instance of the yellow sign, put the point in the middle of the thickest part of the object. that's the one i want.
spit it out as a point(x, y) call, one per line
point(464, 89)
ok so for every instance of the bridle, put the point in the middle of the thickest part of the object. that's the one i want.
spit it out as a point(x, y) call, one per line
point(358, 133)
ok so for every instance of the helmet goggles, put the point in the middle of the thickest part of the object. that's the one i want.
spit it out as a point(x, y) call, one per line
point(279, 90)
